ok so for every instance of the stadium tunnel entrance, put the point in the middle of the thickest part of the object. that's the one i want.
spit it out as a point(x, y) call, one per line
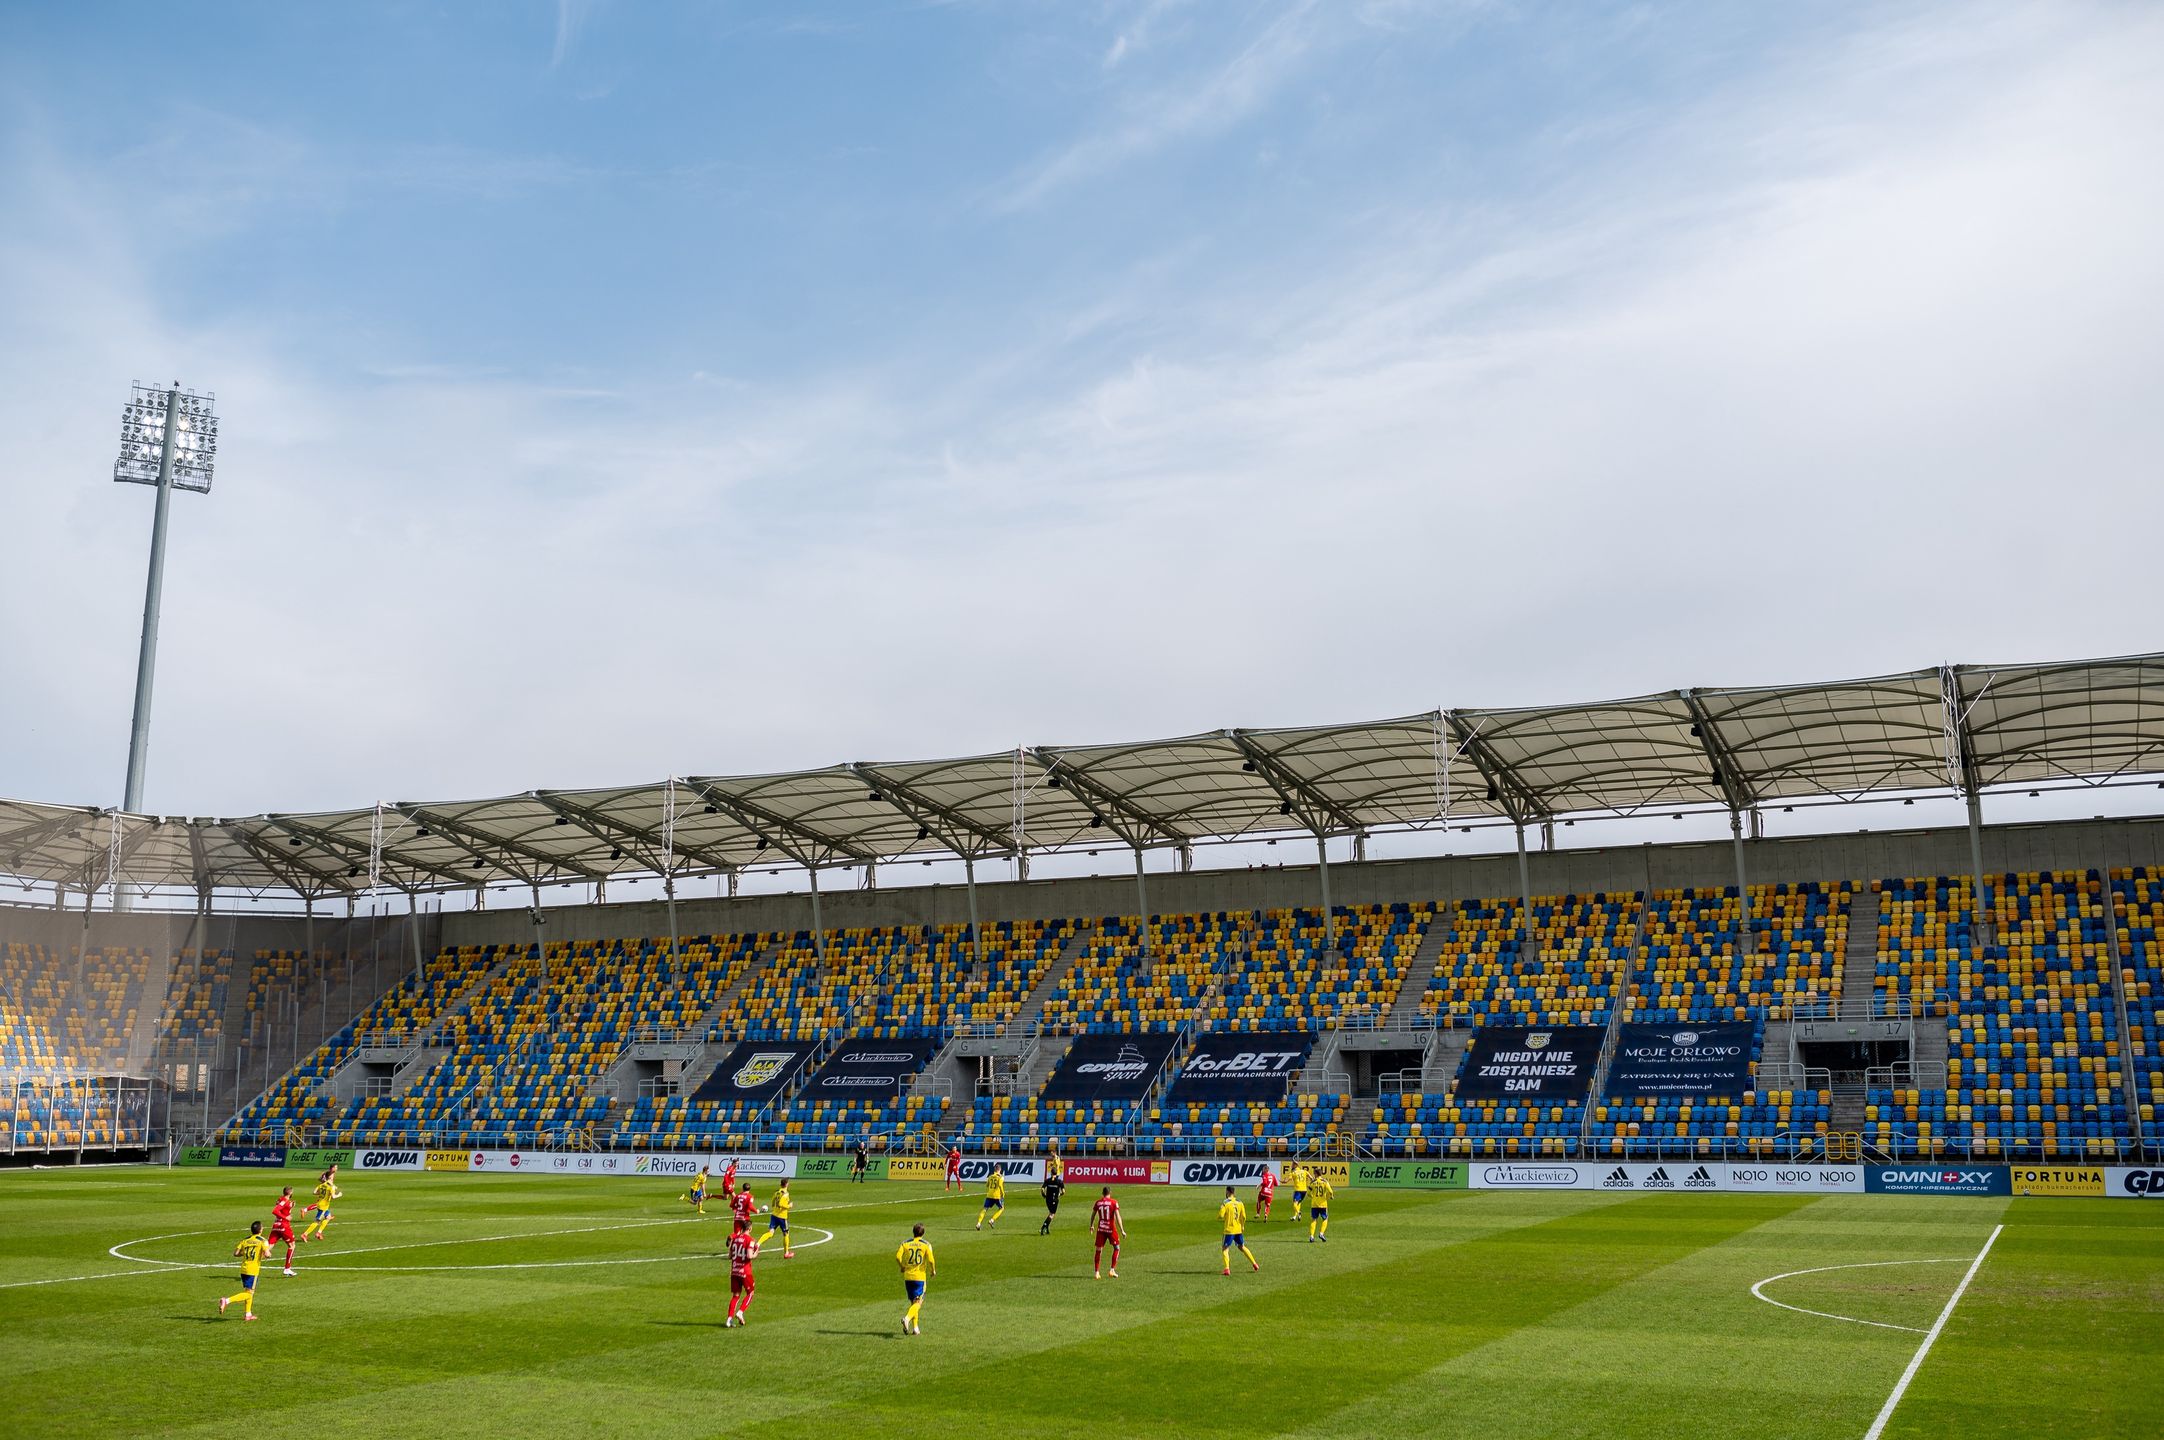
point(1848, 1060)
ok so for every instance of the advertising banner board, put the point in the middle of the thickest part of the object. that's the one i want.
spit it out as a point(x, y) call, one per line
point(197, 1155)
point(1223, 1172)
point(1662, 1060)
point(2057, 1179)
point(756, 1070)
point(2135, 1183)
point(1109, 1067)
point(1241, 1065)
point(378, 1159)
point(1515, 1062)
point(870, 1068)
point(254, 1157)
point(838, 1167)
point(1936, 1180)
point(1093, 1171)
point(1410, 1175)
point(318, 1159)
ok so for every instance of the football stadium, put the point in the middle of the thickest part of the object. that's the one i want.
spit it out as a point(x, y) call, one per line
point(1777, 1050)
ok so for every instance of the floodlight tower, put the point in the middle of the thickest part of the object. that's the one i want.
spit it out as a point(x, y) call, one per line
point(168, 438)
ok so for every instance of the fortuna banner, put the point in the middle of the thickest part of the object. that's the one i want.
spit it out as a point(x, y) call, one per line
point(1681, 1060)
point(1242, 1065)
point(1513, 1062)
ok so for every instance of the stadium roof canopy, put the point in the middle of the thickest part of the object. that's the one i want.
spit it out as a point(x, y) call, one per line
point(1951, 730)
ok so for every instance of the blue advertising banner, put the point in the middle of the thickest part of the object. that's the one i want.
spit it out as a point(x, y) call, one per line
point(1242, 1065)
point(257, 1157)
point(1506, 1062)
point(756, 1070)
point(1682, 1060)
point(871, 1068)
point(1964, 1179)
point(1109, 1067)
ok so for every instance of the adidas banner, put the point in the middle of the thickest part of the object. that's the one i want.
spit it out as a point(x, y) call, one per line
point(756, 1070)
point(1674, 1175)
point(1507, 1062)
point(1681, 1060)
point(1109, 1067)
point(872, 1069)
point(1246, 1065)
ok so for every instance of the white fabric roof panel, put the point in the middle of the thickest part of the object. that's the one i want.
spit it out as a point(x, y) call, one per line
point(2086, 721)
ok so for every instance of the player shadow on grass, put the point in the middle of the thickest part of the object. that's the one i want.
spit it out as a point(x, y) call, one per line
point(874, 1334)
point(690, 1324)
point(198, 1319)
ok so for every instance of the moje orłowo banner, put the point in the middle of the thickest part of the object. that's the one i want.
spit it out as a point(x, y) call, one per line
point(1681, 1060)
point(1513, 1062)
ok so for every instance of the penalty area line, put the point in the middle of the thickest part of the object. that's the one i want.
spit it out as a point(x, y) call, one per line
point(1916, 1361)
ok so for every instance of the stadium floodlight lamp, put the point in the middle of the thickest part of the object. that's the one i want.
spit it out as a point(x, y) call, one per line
point(169, 439)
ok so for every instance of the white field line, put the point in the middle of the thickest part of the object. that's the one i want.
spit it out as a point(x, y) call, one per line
point(1916, 1361)
point(1759, 1293)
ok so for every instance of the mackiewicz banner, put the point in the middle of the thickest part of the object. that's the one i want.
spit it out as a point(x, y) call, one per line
point(1681, 1060)
point(871, 1068)
point(1241, 1065)
point(1506, 1062)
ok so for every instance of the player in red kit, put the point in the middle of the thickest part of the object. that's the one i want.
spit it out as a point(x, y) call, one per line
point(728, 1182)
point(1266, 1188)
point(282, 1224)
point(743, 1206)
point(954, 1169)
point(1106, 1228)
point(743, 1249)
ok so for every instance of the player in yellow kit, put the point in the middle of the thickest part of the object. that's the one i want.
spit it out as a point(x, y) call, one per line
point(995, 1199)
point(320, 1208)
point(250, 1252)
point(1233, 1216)
point(777, 1219)
point(1318, 1209)
point(696, 1196)
point(918, 1266)
point(1302, 1177)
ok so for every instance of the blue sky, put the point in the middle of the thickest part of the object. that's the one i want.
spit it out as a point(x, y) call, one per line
point(615, 389)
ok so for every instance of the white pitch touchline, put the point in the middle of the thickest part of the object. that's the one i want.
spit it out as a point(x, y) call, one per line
point(116, 1250)
point(1916, 1361)
point(1828, 1314)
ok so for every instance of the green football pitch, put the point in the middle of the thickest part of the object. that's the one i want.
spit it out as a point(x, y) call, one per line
point(481, 1305)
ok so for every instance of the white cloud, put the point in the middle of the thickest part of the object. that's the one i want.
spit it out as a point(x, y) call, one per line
point(1849, 370)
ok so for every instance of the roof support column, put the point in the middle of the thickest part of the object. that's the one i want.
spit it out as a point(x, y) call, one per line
point(1142, 902)
point(315, 966)
point(540, 945)
point(1743, 884)
point(413, 928)
point(1981, 925)
point(969, 877)
point(819, 934)
point(1329, 912)
point(1525, 894)
point(668, 888)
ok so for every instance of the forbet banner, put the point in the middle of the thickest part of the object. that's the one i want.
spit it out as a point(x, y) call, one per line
point(1242, 1065)
point(317, 1159)
point(839, 1167)
point(756, 1070)
point(1410, 1175)
point(1514, 1062)
point(2057, 1179)
point(1659, 1060)
point(874, 1069)
point(197, 1155)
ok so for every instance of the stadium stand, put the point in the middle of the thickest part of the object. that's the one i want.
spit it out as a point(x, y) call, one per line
point(2138, 913)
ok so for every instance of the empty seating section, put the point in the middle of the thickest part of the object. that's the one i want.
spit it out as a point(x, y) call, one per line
point(2032, 1051)
point(1420, 1124)
point(410, 1006)
point(1243, 1128)
point(1698, 970)
point(1291, 978)
point(63, 1012)
point(1484, 975)
point(529, 1051)
point(2138, 903)
point(2034, 1067)
point(892, 981)
point(1031, 1125)
point(1924, 926)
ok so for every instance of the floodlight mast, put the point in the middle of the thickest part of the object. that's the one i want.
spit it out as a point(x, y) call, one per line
point(186, 432)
